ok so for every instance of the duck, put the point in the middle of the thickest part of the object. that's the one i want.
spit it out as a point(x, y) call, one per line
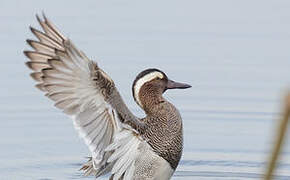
point(122, 145)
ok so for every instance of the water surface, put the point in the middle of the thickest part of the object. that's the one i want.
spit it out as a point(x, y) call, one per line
point(235, 54)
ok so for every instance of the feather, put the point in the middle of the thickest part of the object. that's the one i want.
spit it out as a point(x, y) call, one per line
point(37, 66)
point(118, 153)
point(59, 66)
point(56, 81)
point(66, 103)
point(48, 30)
point(37, 56)
point(84, 118)
point(52, 26)
point(93, 142)
point(40, 87)
point(129, 172)
point(40, 47)
point(56, 74)
point(52, 88)
point(80, 88)
point(60, 95)
point(37, 76)
point(46, 39)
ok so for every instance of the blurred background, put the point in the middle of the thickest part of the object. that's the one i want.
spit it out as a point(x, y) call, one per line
point(235, 54)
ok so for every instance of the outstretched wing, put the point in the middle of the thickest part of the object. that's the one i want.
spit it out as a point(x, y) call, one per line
point(81, 89)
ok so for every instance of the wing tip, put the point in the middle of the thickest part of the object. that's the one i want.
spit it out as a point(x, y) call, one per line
point(38, 18)
point(34, 31)
point(37, 76)
point(32, 28)
point(41, 87)
point(44, 16)
point(28, 64)
point(26, 53)
point(29, 42)
point(32, 43)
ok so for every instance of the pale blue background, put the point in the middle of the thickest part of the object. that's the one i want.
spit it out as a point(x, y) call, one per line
point(236, 54)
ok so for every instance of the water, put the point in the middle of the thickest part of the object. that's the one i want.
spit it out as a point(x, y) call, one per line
point(235, 54)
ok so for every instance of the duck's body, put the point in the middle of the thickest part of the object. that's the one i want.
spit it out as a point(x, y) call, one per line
point(130, 148)
point(161, 150)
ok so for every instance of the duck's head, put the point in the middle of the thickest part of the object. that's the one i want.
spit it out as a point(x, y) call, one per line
point(150, 84)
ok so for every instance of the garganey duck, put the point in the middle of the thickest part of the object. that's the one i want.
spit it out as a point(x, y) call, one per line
point(120, 143)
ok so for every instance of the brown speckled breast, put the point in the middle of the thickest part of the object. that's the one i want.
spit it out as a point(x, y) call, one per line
point(164, 132)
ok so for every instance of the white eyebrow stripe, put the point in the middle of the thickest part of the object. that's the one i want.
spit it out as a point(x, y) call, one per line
point(143, 80)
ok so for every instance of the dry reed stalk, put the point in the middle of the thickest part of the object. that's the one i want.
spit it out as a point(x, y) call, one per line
point(280, 138)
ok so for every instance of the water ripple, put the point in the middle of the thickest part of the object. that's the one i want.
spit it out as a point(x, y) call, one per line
point(223, 174)
point(229, 163)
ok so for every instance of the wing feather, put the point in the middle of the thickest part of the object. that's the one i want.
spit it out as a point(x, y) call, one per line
point(53, 73)
point(37, 66)
point(125, 152)
point(45, 39)
point(41, 87)
point(60, 66)
point(37, 76)
point(37, 56)
point(129, 172)
point(48, 30)
point(83, 90)
point(40, 47)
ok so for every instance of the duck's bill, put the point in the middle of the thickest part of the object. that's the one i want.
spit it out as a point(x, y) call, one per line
point(176, 85)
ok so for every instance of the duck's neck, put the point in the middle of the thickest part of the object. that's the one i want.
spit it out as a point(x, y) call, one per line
point(150, 99)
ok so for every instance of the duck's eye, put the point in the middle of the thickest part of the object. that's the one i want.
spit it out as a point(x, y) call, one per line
point(158, 78)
